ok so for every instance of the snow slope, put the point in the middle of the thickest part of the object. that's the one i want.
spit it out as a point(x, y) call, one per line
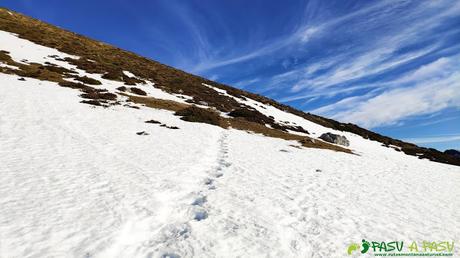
point(77, 181)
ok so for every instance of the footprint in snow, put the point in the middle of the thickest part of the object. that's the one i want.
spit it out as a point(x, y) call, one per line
point(225, 164)
point(208, 181)
point(175, 231)
point(199, 200)
point(170, 255)
point(198, 213)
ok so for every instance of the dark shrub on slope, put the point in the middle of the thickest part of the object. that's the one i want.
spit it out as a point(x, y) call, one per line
point(251, 115)
point(257, 117)
point(87, 80)
point(200, 115)
point(138, 91)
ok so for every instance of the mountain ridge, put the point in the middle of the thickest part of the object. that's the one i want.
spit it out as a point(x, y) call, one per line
point(97, 57)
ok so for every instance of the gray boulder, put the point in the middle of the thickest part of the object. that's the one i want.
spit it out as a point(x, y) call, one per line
point(335, 138)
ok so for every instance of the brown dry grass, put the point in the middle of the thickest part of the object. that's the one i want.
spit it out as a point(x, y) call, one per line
point(38, 71)
point(54, 73)
point(200, 115)
point(157, 103)
point(87, 80)
point(138, 91)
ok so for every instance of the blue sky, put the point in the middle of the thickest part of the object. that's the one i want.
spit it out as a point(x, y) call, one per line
point(391, 66)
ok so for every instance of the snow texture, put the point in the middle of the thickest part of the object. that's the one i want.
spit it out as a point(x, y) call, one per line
point(77, 181)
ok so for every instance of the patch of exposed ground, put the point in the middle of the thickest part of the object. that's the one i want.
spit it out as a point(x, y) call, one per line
point(156, 103)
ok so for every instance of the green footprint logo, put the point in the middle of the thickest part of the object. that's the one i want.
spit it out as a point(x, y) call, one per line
point(366, 246)
point(352, 247)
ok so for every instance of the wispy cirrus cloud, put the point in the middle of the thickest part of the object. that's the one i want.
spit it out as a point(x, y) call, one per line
point(343, 60)
point(367, 64)
point(301, 34)
point(434, 139)
point(372, 59)
point(386, 80)
point(246, 83)
point(433, 87)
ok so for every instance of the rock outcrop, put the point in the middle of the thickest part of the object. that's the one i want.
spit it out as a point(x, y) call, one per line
point(335, 138)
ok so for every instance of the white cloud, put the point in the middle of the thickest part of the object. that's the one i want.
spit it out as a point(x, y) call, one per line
point(429, 93)
point(438, 68)
point(308, 33)
point(341, 105)
point(245, 83)
point(303, 34)
point(208, 64)
point(434, 139)
point(383, 55)
point(374, 62)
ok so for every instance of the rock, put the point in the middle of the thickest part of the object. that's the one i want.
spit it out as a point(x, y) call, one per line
point(153, 121)
point(335, 138)
point(452, 152)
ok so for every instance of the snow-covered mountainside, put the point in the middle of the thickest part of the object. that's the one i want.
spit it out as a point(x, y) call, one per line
point(106, 154)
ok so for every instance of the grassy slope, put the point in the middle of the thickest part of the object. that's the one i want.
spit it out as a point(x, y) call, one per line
point(97, 57)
